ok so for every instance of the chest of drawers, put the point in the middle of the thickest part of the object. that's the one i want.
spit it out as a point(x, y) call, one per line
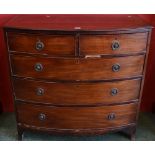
point(77, 74)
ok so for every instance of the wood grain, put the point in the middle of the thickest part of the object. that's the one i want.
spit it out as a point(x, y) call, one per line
point(53, 44)
point(77, 117)
point(73, 91)
point(71, 22)
point(102, 44)
point(77, 68)
point(76, 93)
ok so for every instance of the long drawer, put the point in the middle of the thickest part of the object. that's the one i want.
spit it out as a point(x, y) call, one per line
point(113, 44)
point(77, 69)
point(60, 45)
point(76, 117)
point(77, 93)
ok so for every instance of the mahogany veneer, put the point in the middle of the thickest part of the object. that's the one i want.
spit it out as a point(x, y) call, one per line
point(53, 44)
point(77, 74)
point(80, 117)
point(77, 69)
point(99, 44)
point(77, 93)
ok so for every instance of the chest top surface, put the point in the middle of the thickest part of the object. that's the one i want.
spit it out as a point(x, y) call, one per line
point(77, 22)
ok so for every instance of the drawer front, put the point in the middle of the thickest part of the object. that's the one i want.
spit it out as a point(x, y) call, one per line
point(42, 44)
point(113, 44)
point(77, 69)
point(76, 117)
point(77, 93)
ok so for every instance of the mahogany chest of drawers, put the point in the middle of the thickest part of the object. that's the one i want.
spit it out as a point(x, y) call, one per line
point(77, 74)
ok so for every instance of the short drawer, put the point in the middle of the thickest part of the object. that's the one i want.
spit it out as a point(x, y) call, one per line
point(77, 69)
point(113, 44)
point(60, 45)
point(76, 117)
point(77, 93)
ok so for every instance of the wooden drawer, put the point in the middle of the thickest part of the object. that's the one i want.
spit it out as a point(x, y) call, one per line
point(41, 44)
point(76, 117)
point(77, 69)
point(77, 93)
point(113, 44)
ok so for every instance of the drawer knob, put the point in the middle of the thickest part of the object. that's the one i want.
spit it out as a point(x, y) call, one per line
point(115, 45)
point(38, 67)
point(111, 116)
point(114, 91)
point(116, 67)
point(40, 91)
point(42, 117)
point(39, 45)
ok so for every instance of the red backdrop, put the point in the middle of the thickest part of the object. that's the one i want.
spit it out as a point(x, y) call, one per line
point(6, 98)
